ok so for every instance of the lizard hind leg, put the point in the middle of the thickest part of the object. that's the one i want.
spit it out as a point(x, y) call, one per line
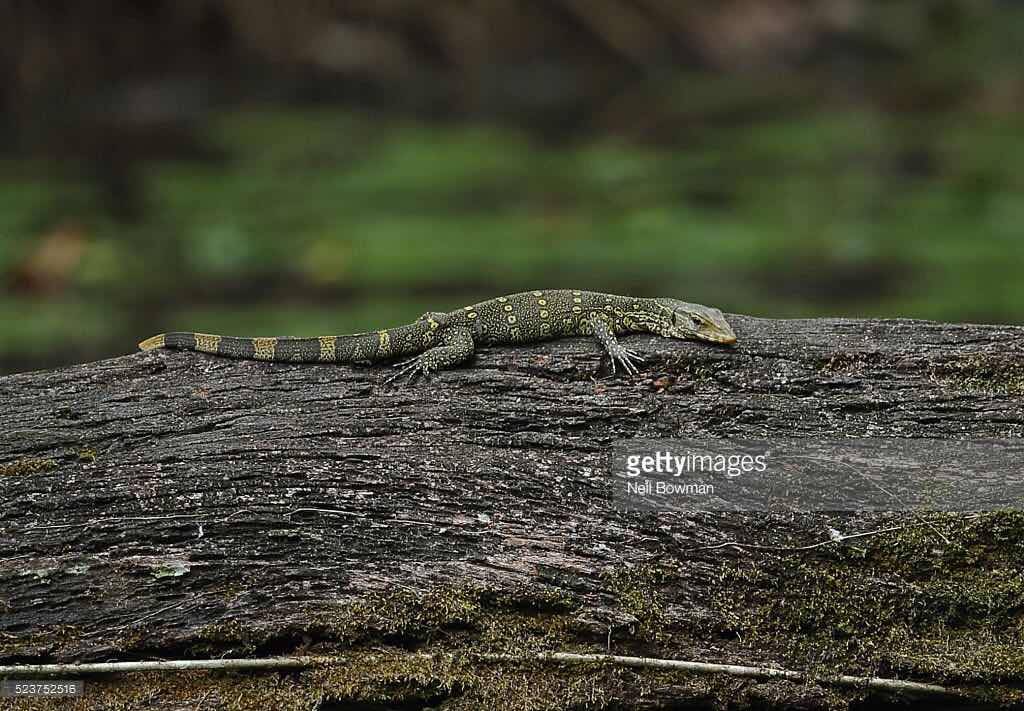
point(456, 346)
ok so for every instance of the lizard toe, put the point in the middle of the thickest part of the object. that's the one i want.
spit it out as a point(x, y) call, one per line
point(405, 368)
point(629, 360)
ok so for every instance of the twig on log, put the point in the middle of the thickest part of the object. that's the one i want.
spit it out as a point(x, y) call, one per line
point(877, 683)
point(819, 544)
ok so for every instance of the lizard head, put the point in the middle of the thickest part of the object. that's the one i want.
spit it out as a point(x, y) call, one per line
point(683, 320)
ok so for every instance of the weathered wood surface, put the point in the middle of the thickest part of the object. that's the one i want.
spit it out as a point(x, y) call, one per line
point(158, 501)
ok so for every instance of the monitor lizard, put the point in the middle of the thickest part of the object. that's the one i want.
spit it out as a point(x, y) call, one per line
point(443, 340)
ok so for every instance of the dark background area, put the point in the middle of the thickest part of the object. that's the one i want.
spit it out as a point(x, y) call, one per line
point(326, 167)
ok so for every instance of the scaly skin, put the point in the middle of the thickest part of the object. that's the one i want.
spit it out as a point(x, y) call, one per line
point(444, 340)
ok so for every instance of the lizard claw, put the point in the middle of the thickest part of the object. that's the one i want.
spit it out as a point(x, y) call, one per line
point(413, 368)
point(628, 358)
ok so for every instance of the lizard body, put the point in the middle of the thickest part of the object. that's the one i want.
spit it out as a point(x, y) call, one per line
point(443, 340)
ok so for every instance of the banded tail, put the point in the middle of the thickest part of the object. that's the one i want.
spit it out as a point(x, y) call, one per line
point(372, 346)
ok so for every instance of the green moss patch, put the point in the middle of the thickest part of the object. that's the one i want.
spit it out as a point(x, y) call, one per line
point(940, 602)
point(996, 375)
point(22, 467)
point(901, 604)
point(450, 612)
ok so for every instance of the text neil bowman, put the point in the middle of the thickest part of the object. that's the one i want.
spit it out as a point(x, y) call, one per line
point(663, 462)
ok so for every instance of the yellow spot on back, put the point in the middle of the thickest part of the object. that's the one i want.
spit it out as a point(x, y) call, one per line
point(511, 318)
point(207, 343)
point(328, 347)
point(264, 348)
point(502, 299)
point(543, 313)
point(158, 341)
point(508, 307)
point(542, 302)
point(471, 314)
point(538, 293)
point(383, 344)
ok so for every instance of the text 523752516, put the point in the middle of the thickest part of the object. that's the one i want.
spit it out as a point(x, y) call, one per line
point(41, 688)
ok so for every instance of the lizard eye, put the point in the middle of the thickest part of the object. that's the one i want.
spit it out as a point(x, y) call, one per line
point(697, 320)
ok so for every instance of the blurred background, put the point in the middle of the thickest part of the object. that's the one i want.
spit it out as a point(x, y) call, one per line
point(318, 166)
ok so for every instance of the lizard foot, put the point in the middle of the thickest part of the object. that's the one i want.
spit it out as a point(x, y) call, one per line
point(628, 358)
point(412, 368)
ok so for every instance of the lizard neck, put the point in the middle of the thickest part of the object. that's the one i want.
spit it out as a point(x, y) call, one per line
point(650, 317)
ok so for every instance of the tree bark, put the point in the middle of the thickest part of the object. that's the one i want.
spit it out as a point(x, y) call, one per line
point(171, 505)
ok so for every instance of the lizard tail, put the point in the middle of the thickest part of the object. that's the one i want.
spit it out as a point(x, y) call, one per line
point(308, 350)
point(373, 346)
point(157, 341)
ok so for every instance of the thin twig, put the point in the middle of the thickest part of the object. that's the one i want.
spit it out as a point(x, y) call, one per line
point(95, 521)
point(895, 498)
point(190, 602)
point(819, 544)
point(120, 519)
point(551, 657)
point(728, 669)
point(341, 512)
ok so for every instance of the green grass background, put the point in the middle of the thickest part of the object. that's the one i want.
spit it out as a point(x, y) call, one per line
point(331, 220)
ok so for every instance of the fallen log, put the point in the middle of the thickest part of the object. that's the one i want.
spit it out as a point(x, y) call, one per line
point(180, 506)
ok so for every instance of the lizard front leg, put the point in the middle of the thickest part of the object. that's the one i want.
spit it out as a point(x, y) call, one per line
point(601, 328)
point(456, 346)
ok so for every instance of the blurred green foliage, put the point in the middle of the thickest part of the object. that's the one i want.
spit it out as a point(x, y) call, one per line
point(327, 221)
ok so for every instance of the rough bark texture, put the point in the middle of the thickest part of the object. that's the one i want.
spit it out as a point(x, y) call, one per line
point(181, 505)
